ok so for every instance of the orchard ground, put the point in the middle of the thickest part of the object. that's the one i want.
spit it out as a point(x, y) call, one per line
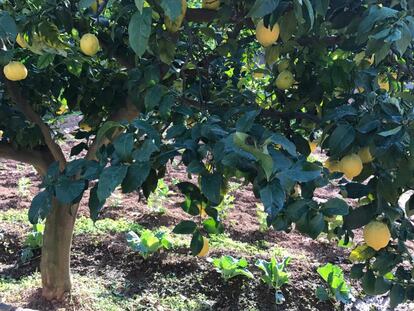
point(110, 276)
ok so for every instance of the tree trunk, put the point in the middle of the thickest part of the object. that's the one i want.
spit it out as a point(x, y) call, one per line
point(57, 242)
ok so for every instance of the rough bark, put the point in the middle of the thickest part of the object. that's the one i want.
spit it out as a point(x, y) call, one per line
point(57, 242)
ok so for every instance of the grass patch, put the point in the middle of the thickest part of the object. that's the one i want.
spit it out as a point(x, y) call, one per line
point(85, 225)
point(100, 294)
point(14, 216)
point(224, 242)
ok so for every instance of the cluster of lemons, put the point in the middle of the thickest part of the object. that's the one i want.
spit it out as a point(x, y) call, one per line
point(351, 165)
point(377, 235)
point(17, 71)
point(267, 37)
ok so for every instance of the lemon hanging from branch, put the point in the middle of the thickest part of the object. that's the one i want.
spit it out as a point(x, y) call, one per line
point(377, 235)
point(285, 80)
point(351, 166)
point(205, 249)
point(267, 36)
point(89, 44)
point(15, 71)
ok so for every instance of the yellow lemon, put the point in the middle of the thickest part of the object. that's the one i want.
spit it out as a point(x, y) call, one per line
point(283, 65)
point(258, 75)
point(365, 155)
point(284, 80)
point(89, 44)
point(1, 134)
point(15, 71)
point(21, 41)
point(377, 235)
point(95, 6)
point(267, 36)
point(332, 165)
point(351, 165)
point(312, 146)
point(205, 248)
point(174, 26)
point(383, 82)
point(211, 4)
point(85, 127)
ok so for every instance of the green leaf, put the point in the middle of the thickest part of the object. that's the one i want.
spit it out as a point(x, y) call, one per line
point(368, 282)
point(172, 8)
point(397, 295)
point(335, 206)
point(135, 177)
point(321, 7)
point(311, 14)
point(197, 243)
point(212, 226)
point(382, 52)
point(382, 285)
point(298, 208)
point(405, 40)
point(321, 293)
point(283, 142)
point(40, 207)
point(289, 24)
point(8, 27)
point(144, 153)
point(124, 145)
point(359, 217)
point(153, 97)
point(341, 138)
point(185, 227)
point(68, 190)
point(95, 205)
point(263, 7)
point(139, 4)
point(45, 60)
point(273, 198)
point(106, 129)
point(211, 185)
point(83, 4)
point(139, 31)
point(374, 14)
point(110, 178)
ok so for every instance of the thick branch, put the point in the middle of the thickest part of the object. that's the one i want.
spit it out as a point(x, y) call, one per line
point(39, 159)
point(200, 15)
point(25, 107)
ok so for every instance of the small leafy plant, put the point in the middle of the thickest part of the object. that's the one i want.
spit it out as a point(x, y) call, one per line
point(158, 198)
point(23, 187)
point(230, 267)
point(275, 275)
point(148, 242)
point(33, 242)
point(262, 218)
point(336, 285)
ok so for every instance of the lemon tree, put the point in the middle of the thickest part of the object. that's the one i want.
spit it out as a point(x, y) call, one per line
point(236, 90)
